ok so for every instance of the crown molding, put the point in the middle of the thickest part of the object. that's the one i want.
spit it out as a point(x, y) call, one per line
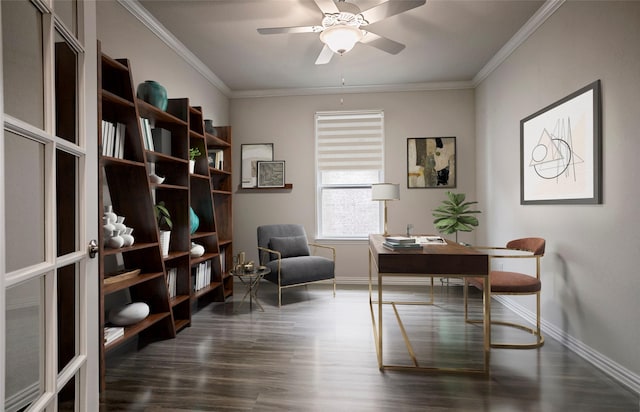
point(139, 12)
point(540, 16)
point(383, 88)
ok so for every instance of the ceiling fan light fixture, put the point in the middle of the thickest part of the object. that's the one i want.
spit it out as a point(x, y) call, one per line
point(341, 38)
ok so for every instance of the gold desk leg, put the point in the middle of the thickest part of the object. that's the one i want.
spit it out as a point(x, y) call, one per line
point(380, 361)
point(486, 297)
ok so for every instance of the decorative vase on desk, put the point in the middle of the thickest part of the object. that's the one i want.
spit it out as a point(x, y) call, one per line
point(153, 93)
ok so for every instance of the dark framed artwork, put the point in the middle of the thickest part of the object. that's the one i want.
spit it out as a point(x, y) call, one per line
point(431, 162)
point(561, 151)
point(271, 173)
point(250, 155)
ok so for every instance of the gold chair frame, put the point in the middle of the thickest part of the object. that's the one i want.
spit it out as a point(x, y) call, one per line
point(279, 258)
point(533, 331)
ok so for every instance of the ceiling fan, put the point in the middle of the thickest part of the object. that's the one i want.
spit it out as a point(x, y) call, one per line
point(341, 26)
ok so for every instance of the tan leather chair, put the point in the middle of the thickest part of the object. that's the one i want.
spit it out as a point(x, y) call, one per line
point(513, 283)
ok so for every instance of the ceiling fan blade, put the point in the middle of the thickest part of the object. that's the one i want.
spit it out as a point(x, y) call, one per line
point(280, 30)
point(390, 8)
point(325, 55)
point(327, 6)
point(382, 43)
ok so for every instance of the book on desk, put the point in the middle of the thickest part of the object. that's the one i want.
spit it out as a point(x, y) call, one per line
point(409, 243)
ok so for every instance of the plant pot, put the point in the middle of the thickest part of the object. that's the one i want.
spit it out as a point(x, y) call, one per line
point(165, 238)
point(192, 166)
point(153, 93)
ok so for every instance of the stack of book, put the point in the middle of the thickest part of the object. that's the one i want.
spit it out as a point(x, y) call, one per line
point(401, 243)
point(172, 273)
point(112, 333)
point(113, 135)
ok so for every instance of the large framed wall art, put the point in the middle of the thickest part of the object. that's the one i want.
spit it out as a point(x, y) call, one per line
point(250, 155)
point(561, 151)
point(431, 162)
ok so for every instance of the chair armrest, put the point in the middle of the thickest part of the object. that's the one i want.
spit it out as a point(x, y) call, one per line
point(331, 248)
point(267, 250)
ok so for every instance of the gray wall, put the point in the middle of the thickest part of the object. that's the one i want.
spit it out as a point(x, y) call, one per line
point(288, 123)
point(124, 36)
point(590, 275)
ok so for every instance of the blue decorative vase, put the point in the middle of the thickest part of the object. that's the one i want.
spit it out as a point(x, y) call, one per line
point(194, 220)
point(153, 93)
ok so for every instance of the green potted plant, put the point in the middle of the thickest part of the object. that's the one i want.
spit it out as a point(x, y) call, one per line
point(193, 153)
point(163, 217)
point(455, 215)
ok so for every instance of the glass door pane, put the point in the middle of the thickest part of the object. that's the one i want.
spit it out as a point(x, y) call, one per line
point(24, 344)
point(24, 176)
point(67, 11)
point(68, 315)
point(66, 62)
point(23, 67)
point(66, 202)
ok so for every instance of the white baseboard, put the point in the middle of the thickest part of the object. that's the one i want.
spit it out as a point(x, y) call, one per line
point(616, 371)
point(613, 369)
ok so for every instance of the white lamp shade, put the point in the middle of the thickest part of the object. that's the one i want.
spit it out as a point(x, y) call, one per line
point(341, 38)
point(385, 191)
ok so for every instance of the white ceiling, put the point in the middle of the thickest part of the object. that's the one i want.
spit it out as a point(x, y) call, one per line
point(446, 41)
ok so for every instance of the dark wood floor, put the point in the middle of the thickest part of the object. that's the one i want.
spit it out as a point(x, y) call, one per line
point(317, 353)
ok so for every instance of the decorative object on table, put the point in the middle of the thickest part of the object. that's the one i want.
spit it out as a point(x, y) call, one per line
point(208, 126)
point(193, 153)
point(561, 151)
point(384, 192)
point(196, 250)
point(431, 162)
point(163, 217)
point(194, 220)
point(161, 140)
point(128, 314)
point(153, 93)
point(270, 173)
point(250, 155)
point(454, 215)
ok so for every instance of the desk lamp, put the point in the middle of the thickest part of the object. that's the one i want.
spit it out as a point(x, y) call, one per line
point(384, 192)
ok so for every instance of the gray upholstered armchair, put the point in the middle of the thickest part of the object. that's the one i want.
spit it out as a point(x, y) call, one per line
point(285, 250)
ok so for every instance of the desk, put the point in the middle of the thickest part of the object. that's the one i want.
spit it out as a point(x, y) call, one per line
point(429, 261)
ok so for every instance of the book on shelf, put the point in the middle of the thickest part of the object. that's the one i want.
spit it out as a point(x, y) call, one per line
point(216, 159)
point(112, 333)
point(113, 139)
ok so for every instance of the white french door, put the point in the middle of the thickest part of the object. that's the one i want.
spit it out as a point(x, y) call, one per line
point(48, 206)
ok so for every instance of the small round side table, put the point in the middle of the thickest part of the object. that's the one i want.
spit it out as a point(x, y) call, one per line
point(251, 279)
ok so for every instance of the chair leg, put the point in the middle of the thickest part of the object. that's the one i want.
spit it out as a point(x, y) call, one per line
point(279, 295)
point(334, 287)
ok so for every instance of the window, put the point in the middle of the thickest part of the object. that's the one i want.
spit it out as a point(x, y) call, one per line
point(349, 158)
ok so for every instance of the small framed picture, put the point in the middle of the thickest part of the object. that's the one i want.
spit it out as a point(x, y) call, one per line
point(250, 155)
point(271, 173)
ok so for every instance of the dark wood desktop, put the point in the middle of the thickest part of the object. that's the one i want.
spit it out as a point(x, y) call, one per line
point(430, 261)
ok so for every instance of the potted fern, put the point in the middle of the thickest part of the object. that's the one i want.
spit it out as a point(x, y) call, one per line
point(163, 217)
point(455, 215)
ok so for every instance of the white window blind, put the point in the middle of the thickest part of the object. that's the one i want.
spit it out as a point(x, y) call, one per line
point(349, 158)
point(347, 141)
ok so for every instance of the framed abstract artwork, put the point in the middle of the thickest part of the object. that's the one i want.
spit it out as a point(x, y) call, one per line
point(250, 155)
point(561, 151)
point(271, 173)
point(431, 162)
